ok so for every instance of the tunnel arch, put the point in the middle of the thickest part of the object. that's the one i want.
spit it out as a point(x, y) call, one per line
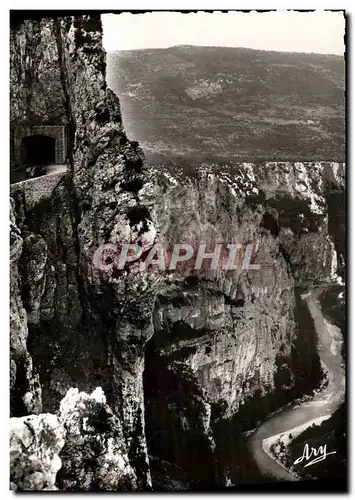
point(38, 150)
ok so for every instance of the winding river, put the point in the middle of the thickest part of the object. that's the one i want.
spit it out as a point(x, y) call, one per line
point(323, 404)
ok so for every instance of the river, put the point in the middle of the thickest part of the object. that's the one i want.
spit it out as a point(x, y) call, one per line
point(323, 403)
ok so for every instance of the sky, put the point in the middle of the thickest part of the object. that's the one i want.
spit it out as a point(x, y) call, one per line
point(289, 31)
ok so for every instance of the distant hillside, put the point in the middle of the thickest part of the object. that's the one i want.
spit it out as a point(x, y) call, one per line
point(231, 104)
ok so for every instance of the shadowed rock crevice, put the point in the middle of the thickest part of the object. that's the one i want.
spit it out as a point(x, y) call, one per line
point(177, 427)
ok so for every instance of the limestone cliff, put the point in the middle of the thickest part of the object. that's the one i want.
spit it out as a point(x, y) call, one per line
point(171, 350)
point(243, 320)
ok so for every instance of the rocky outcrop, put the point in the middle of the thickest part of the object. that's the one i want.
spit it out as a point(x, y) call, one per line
point(84, 442)
point(35, 443)
point(94, 455)
point(169, 348)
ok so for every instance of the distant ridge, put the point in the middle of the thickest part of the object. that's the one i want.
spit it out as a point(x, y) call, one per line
point(197, 47)
point(230, 104)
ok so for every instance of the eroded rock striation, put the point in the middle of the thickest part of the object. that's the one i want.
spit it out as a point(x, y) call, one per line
point(175, 352)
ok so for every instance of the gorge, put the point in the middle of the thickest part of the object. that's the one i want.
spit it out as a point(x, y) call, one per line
point(140, 380)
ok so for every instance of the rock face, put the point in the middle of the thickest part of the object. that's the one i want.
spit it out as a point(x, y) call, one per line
point(25, 389)
point(169, 349)
point(36, 94)
point(233, 323)
point(50, 292)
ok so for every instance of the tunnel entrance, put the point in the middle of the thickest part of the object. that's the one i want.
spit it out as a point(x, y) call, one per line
point(38, 150)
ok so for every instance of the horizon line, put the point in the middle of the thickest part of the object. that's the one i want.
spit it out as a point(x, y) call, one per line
point(227, 47)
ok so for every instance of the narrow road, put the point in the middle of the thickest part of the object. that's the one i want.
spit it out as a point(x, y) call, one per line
point(322, 404)
point(19, 175)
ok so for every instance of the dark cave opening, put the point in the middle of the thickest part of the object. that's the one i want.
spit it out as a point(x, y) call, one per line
point(38, 150)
